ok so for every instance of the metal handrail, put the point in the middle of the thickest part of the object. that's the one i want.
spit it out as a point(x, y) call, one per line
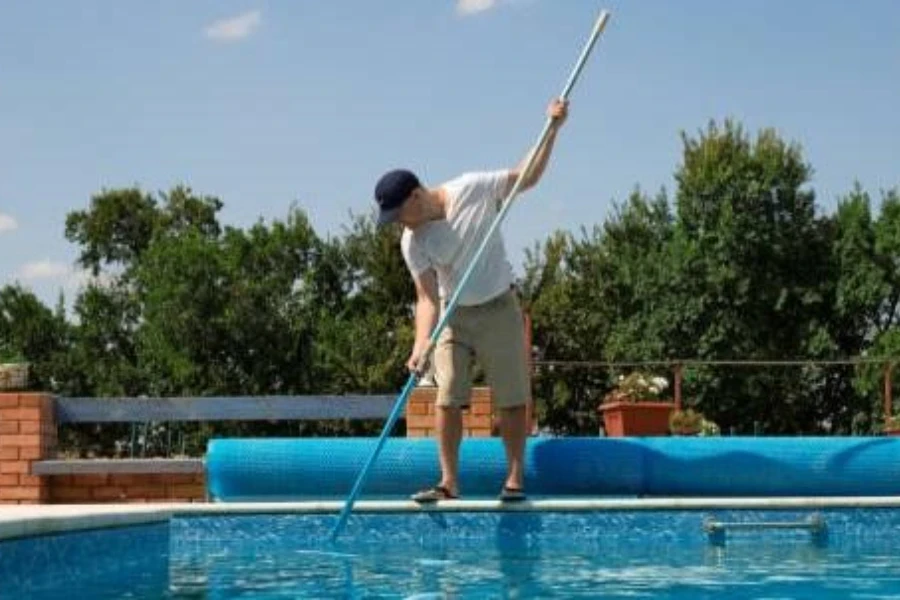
point(815, 524)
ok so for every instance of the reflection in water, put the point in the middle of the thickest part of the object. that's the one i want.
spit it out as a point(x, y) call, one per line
point(517, 541)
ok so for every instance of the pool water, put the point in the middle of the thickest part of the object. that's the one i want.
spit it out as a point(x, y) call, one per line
point(609, 554)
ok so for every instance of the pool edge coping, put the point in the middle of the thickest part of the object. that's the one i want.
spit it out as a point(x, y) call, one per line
point(23, 521)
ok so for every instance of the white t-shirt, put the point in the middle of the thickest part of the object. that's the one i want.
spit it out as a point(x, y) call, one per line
point(448, 245)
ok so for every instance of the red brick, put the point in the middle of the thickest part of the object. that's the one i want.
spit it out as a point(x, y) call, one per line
point(125, 480)
point(9, 400)
point(21, 414)
point(155, 479)
point(22, 493)
point(70, 494)
point(29, 427)
point(30, 453)
point(36, 401)
point(419, 421)
point(19, 441)
point(31, 480)
point(17, 466)
point(9, 427)
point(146, 491)
point(9, 453)
point(479, 421)
point(9, 479)
point(414, 408)
point(416, 432)
point(90, 480)
point(481, 408)
point(189, 491)
point(185, 478)
point(481, 394)
point(110, 492)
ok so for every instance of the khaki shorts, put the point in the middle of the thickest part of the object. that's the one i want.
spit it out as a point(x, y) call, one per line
point(492, 333)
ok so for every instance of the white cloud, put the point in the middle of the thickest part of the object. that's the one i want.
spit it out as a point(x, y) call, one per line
point(7, 223)
point(471, 7)
point(236, 28)
point(44, 269)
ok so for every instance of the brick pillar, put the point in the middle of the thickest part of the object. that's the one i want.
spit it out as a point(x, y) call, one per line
point(27, 435)
point(478, 421)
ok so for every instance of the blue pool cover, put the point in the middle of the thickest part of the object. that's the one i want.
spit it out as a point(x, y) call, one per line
point(325, 468)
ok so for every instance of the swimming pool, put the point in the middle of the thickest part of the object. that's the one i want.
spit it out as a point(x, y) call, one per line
point(624, 549)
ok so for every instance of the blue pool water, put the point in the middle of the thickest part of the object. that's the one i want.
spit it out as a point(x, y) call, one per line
point(610, 554)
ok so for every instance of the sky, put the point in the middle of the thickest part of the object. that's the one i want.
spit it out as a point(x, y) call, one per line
point(268, 104)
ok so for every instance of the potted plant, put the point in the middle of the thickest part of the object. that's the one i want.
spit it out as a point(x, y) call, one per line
point(685, 422)
point(13, 369)
point(689, 422)
point(636, 406)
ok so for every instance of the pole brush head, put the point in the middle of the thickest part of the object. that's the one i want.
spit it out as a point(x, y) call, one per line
point(601, 22)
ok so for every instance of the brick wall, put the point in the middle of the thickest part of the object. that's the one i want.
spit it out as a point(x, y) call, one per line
point(127, 488)
point(478, 421)
point(27, 434)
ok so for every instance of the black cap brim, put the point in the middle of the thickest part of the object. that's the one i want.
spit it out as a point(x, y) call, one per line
point(386, 217)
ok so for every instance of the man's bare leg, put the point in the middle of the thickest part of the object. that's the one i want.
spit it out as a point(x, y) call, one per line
point(513, 430)
point(448, 421)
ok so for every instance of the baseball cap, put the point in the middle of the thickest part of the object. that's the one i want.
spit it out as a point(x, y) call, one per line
point(391, 191)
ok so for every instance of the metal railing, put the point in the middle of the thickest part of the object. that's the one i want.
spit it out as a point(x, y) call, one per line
point(221, 408)
point(677, 366)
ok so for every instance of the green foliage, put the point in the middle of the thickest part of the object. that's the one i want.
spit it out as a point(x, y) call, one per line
point(30, 332)
point(743, 270)
point(736, 265)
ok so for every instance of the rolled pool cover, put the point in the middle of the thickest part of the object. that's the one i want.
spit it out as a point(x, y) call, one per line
point(250, 470)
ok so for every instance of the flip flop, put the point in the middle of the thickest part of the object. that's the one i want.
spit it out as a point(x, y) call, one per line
point(512, 494)
point(434, 494)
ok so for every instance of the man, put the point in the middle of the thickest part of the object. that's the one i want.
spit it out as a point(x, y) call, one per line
point(443, 228)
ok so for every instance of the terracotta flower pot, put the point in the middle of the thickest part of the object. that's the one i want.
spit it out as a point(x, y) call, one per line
point(636, 418)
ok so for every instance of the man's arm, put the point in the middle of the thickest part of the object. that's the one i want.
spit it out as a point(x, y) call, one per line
point(557, 111)
point(427, 310)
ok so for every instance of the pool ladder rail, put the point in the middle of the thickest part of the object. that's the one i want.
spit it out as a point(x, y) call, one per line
point(814, 524)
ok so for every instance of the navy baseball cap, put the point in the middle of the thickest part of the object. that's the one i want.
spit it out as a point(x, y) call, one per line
point(391, 192)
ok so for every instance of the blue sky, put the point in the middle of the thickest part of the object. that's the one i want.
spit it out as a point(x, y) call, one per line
point(267, 103)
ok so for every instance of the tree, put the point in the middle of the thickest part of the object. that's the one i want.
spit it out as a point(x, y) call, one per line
point(866, 292)
point(31, 332)
point(737, 265)
point(365, 336)
point(747, 229)
point(121, 224)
